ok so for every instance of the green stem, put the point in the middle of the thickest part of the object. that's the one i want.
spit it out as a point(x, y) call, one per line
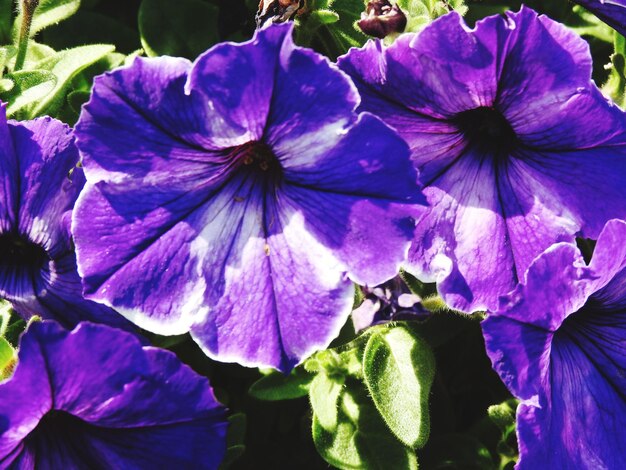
point(28, 8)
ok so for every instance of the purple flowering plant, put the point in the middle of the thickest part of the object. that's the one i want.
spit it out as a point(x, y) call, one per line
point(301, 233)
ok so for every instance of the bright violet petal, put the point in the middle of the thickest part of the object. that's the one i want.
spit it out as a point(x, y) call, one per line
point(445, 69)
point(558, 343)
point(151, 264)
point(107, 390)
point(239, 81)
point(49, 183)
point(470, 252)
point(283, 293)
point(139, 112)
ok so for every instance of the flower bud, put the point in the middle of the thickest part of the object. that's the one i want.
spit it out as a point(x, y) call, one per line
point(381, 19)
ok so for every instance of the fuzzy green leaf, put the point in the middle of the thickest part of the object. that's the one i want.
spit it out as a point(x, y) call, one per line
point(183, 28)
point(360, 440)
point(324, 393)
point(276, 386)
point(29, 86)
point(7, 358)
point(65, 65)
point(399, 369)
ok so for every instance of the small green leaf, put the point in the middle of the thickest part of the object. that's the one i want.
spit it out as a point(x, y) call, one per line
point(65, 65)
point(48, 12)
point(36, 53)
point(6, 20)
point(324, 394)
point(420, 13)
point(236, 429)
point(615, 87)
point(361, 440)
point(276, 386)
point(232, 454)
point(7, 358)
point(325, 16)
point(6, 53)
point(29, 86)
point(235, 438)
point(330, 27)
point(503, 414)
point(183, 28)
point(399, 369)
point(6, 85)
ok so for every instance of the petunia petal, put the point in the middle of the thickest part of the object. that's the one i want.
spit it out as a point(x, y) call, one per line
point(238, 82)
point(139, 112)
point(558, 343)
point(462, 242)
point(425, 74)
point(49, 182)
point(284, 295)
point(106, 390)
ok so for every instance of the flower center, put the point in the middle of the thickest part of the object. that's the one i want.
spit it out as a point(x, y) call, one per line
point(487, 130)
point(259, 157)
point(63, 431)
point(20, 262)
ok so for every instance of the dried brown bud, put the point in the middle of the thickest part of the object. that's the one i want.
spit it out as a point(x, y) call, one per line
point(277, 11)
point(381, 19)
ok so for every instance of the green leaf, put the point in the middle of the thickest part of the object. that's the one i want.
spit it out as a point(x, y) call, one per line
point(590, 25)
point(615, 87)
point(235, 438)
point(7, 358)
point(29, 86)
point(36, 52)
point(330, 27)
point(232, 454)
point(399, 369)
point(6, 53)
point(361, 440)
point(420, 13)
point(48, 12)
point(6, 20)
point(276, 386)
point(324, 394)
point(236, 429)
point(65, 65)
point(325, 16)
point(182, 28)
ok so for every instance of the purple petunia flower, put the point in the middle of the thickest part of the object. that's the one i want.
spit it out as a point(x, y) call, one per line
point(238, 196)
point(38, 187)
point(516, 146)
point(95, 398)
point(559, 343)
point(612, 12)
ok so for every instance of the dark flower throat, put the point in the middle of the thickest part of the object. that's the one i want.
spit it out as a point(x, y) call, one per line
point(259, 157)
point(487, 131)
point(19, 256)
